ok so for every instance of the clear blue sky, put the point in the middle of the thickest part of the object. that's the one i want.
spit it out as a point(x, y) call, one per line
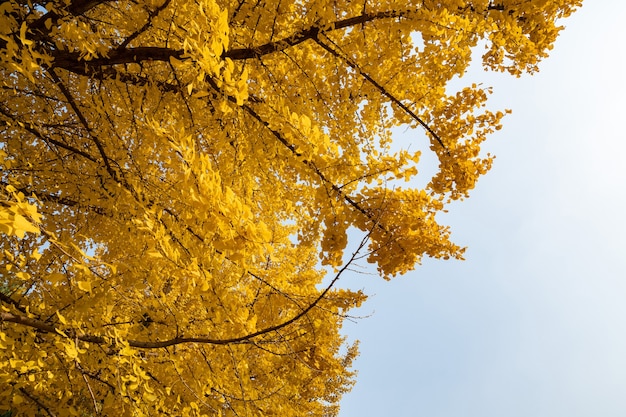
point(533, 323)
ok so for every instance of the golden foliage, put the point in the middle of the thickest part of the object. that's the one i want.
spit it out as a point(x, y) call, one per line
point(173, 173)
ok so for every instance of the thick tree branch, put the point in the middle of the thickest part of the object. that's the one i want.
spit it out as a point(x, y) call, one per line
point(71, 61)
point(79, 7)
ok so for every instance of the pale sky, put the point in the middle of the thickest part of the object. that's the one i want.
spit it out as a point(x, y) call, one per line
point(533, 323)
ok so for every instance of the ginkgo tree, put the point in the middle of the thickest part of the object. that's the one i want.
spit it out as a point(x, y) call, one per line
point(178, 177)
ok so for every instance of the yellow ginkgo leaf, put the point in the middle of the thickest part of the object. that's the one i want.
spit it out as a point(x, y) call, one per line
point(70, 350)
point(84, 285)
point(61, 318)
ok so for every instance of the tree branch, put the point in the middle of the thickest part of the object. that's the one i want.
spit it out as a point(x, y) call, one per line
point(30, 129)
point(5, 298)
point(382, 90)
point(75, 8)
point(71, 61)
point(83, 121)
point(148, 23)
point(310, 164)
point(48, 328)
point(36, 401)
point(310, 33)
point(58, 199)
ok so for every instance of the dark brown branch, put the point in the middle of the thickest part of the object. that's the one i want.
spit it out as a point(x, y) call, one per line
point(47, 140)
point(48, 328)
point(58, 199)
point(5, 298)
point(148, 23)
point(83, 121)
point(27, 321)
point(310, 164)
point(71, 61)
point(309, 33)
point(107, 73)
point(36, 401)
point(76, 8)
point(271, 47)
point(79, 7)
point(382, 90)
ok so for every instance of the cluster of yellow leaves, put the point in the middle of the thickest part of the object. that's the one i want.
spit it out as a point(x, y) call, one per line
point(176, 174)
point(17, 215)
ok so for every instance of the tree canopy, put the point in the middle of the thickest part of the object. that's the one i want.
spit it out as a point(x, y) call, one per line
point(179, 176)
